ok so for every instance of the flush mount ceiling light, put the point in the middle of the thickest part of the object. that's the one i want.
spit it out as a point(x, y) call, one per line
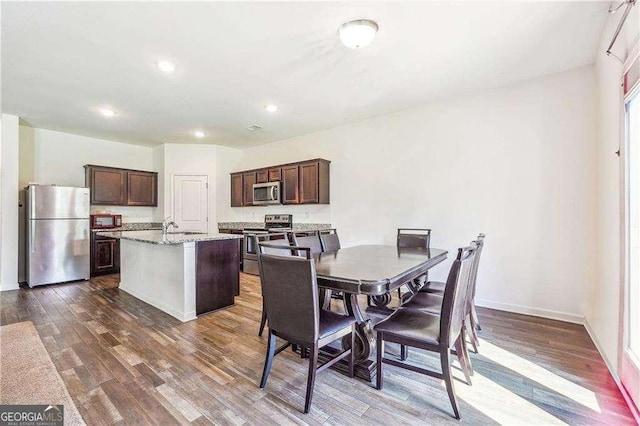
point(271, 108)
point(166, 67)
point(107, 112)
point(254, 128)
point(199, 134)
point(358, 33)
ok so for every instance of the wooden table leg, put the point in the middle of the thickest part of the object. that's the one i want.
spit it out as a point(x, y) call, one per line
point(365, 344)
point(364, 340)
point(381, 300)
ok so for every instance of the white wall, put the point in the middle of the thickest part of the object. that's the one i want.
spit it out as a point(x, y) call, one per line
point(195, 159)
point(9, 202)
point(52, 157)
point(227, 160)
point(158, 164)
point(603, 316)
point(516, 163)
point(48, 156)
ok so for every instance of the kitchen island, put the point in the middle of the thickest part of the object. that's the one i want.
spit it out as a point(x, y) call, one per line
point(183, 274)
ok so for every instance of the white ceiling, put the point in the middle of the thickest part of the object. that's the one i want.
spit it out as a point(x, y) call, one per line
point(63, 61)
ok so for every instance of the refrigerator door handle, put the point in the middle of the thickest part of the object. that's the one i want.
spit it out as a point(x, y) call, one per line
point(32, 203)
point(32, 236)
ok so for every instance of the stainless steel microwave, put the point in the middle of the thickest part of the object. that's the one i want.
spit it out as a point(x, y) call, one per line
point(267, 193)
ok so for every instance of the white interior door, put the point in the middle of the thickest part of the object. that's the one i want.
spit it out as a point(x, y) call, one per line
point(190, 202)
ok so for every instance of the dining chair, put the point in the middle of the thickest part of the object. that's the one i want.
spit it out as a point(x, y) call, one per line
point(277, 239)
point(429, 331)
point(291, 295)
point(431, 301)
point(331, 244)
point(330, 240)
point(408, 238)
point(314, 243)
point(471, 318)
point(414, 237)
point(311, 241)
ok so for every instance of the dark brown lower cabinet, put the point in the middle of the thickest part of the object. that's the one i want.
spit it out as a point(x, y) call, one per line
point(105, 255)
point(235, 232)
point(217, 274)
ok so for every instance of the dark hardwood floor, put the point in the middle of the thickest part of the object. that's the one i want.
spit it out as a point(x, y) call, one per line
point(125, 362)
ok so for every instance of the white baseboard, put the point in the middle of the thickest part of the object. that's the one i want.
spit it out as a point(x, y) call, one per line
point(627, 398)
point(9, 287)
point(527, 310)
point(596, 342)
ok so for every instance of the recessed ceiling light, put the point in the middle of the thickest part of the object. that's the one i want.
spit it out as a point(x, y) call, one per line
point(271, 108)
point(199, 134)
point(166, 66)
point(107, 112)
point(358, 33)
point(254, 128)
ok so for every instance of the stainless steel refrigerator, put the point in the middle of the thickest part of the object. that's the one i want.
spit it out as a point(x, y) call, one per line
point(57, 234)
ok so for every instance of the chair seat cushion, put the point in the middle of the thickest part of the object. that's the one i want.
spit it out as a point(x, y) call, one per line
point(433, 287)
point(423, 327)
point(331, 323)
point(428, 302)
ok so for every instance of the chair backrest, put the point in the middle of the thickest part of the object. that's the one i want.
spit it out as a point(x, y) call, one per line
point(455, 295)
point(330, 240)
point(290, 293)
point(474, 273)
point(311, 241)
point(414, 237)
point(277, 239)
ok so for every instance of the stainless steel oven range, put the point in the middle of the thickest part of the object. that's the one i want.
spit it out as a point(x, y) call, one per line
point(273, 223)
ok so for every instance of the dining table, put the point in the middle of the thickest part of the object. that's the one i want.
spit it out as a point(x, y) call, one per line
point(373, 270)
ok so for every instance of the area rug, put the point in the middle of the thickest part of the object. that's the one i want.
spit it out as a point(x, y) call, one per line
point(27, 374)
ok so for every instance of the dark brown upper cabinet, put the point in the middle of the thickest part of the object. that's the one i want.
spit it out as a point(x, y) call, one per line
point(314, 182)
point(121, 187)
point(290, 185)
point(305, 182)
point(107, 185)
point(236, 190)
point(275, 174)
point(247, 194)
point(142, 188)
point(262, 176)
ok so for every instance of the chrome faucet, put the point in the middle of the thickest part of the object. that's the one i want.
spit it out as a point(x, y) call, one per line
point(166, 224)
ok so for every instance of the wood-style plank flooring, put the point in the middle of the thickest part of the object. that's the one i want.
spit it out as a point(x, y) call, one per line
point(125, 362)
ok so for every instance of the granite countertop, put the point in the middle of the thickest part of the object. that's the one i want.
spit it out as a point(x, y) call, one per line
point(134, 226)
point(156, 237)
point(296, 226)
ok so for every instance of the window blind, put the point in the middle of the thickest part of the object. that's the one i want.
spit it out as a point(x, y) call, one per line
point(631, 77)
